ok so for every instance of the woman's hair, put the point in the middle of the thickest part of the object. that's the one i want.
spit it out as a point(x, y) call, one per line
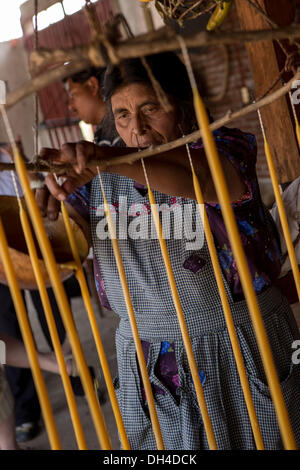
point(84, 75)
point(167, 69)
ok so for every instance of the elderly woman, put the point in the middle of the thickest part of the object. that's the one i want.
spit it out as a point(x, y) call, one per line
point(141, 121)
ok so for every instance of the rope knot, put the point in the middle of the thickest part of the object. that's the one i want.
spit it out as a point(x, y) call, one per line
point(292, 62)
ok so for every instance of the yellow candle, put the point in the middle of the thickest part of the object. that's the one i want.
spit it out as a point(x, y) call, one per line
point(185, 335)
point(136, 338)
point(235, 241)
point(29, 342)
point(282, 215)
point(228, 317)
point(63, 303)
point(53, 331)
point(91, 315)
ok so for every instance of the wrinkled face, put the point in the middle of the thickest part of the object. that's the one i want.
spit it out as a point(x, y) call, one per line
point(140, 118)
point(84, 101)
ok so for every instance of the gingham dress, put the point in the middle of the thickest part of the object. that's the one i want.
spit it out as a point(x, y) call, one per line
point(180, 420)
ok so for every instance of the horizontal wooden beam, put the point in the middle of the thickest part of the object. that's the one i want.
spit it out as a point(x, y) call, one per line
point(161, 40)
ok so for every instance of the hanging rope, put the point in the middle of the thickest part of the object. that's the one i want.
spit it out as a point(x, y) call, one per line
point(281, 211)
point(36, 96)
point(61, 299)
point(92, 319)
point(23, 319)
point(297, 126)
point(226, 308)
point(49, 316)
point(235, 241)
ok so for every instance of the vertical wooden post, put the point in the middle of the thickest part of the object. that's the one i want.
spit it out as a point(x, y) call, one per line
point(267, 60)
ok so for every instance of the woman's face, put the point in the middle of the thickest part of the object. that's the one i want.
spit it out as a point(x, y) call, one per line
point(140, 118)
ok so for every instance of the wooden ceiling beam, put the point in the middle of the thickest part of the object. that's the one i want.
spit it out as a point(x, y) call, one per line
point(266, 63)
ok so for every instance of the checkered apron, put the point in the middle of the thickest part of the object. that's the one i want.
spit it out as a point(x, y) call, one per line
point(181, 424)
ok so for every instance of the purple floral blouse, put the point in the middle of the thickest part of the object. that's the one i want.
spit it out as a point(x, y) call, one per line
point(256, 231)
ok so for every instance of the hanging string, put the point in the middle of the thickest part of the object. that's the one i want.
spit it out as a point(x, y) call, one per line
point(47, 307)
point(262, 13)
point(281, 210)
point(241, 260)
point(61, 298)
point(226, 308)
point(181, 320)
point(297, 126)
point(36, 96)
point(23, 319)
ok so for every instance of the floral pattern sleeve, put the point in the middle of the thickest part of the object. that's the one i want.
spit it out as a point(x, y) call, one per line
point(256, 227)
point(80, 201)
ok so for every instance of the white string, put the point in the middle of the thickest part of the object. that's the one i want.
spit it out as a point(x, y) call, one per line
point(145, 172)
point(142, 162)
point(100, 179)
point(111, 225)
point(187, 149)
point(189, 155)
point(13, 146)
point(14, 180)
point(187, 61)
point(8, 128)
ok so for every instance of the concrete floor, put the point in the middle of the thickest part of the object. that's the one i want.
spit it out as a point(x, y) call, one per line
point(107, 326)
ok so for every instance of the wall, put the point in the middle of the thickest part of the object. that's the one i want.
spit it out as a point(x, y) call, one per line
point(209, 62)
point(14, 70)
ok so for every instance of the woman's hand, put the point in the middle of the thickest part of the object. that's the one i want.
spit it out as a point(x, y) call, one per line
point(77, 155)
point(49, 206)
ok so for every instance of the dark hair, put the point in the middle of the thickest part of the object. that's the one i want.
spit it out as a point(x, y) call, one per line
point(82, 77)
point(167, 69)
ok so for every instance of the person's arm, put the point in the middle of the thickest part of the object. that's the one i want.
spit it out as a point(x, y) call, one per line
point(16, 355)
point(168, 172)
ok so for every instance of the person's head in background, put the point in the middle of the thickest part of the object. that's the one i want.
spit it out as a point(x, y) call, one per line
point(85, 96)
point(133, 104)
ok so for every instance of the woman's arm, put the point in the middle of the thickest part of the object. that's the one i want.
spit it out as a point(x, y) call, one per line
point(168, 172)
